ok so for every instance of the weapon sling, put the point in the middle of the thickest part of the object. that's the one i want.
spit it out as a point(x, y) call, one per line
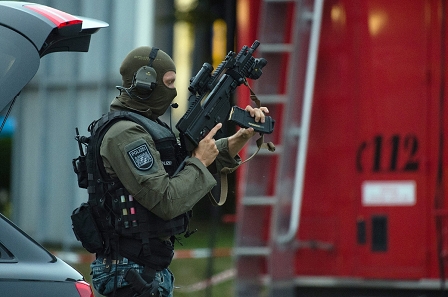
point(227, 170)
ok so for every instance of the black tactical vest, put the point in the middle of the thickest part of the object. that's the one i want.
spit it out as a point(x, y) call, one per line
point(120, 219)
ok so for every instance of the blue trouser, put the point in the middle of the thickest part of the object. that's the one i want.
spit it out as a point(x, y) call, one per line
point(103, 279)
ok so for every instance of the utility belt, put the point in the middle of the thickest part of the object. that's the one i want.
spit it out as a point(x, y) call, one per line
point(112, 261)
point(122, 260)
point(142, 281)
point(156, 254)
point(153, 253)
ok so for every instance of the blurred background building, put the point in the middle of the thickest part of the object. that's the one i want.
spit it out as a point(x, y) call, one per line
point(39, 189)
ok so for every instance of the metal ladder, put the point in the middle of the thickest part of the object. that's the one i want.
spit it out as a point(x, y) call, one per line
point(271, 185)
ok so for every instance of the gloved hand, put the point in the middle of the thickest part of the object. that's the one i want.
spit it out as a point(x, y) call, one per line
point(139, 285)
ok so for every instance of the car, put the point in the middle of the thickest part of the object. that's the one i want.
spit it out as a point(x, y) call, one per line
point(28, 269)
point(29, 31)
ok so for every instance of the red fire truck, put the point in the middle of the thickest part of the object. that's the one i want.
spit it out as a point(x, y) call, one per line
point(352, 202)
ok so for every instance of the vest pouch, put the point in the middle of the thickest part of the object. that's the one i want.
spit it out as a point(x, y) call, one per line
point(86, 230)
point(168, 154)
point(80, 168)
point(121, 206)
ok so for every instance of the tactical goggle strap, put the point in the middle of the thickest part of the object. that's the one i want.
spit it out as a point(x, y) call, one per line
point(226, 170)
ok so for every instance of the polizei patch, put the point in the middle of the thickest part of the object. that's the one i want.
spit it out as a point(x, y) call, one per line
point(141, 157)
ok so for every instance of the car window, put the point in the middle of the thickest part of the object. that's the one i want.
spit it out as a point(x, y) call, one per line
point(5, 255)
point(17, 245)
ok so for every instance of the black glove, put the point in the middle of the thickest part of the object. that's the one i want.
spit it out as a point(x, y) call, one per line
point(143, 288)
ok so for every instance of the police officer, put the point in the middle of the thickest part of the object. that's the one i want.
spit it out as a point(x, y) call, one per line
point(137, 159)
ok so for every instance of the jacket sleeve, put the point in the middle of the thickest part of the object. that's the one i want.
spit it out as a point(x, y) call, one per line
point(224, 159)
point(149, 183)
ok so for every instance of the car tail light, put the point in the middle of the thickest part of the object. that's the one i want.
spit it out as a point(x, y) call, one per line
point(59, 18)
point(84, 289)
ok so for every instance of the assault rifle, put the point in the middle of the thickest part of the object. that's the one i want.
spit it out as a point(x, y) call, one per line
point(210, 99)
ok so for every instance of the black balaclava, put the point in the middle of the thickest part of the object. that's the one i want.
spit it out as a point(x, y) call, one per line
point(161, 97)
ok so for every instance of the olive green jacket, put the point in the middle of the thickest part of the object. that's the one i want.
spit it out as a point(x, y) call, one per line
point(165, 196)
